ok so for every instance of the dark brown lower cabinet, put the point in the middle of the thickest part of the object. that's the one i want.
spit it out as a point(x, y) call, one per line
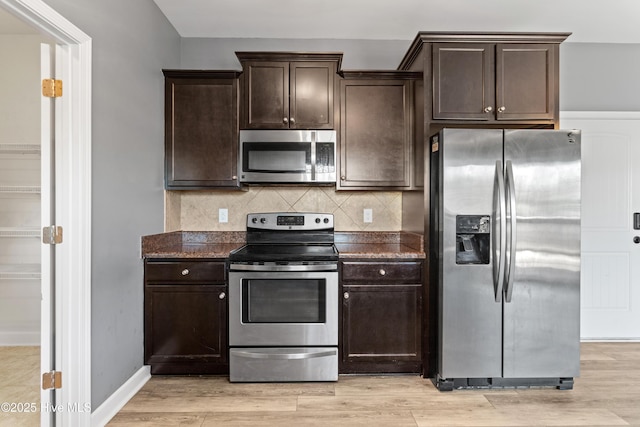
point(381, 317)
point(185, 317)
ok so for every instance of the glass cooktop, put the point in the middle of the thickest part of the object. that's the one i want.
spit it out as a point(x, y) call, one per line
point(284, 252)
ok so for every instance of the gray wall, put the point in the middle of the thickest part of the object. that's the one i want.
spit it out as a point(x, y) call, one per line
point(599, 77)
point(132, 42)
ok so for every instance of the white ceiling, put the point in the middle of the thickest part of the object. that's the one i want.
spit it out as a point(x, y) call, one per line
point(612, 21)
point(593, 21)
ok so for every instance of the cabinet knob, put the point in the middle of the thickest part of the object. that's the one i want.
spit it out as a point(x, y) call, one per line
point(185, 271)
point(488, 109)
point(502, 109)
point(222, 295)
point(234, 177)
point(285, 120)
point(343, 177)
point(292, 120)
point(382, 272)
point(345, 295)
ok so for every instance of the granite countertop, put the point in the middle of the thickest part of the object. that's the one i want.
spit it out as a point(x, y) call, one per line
point(192, 244)
point(218, 244)
point(381, 244)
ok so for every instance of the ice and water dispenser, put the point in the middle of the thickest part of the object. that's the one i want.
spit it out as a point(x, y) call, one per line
point(473, 239)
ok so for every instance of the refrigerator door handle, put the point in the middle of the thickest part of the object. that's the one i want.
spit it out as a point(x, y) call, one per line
point(511, 230)
point(498, 232)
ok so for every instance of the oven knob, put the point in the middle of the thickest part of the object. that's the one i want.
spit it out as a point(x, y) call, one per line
point(263, 220)
point(326, 220)
point(317, 220)
point(254, 220)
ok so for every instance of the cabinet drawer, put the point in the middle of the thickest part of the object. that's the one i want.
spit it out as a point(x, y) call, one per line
point(402, 271)
point(184, 271)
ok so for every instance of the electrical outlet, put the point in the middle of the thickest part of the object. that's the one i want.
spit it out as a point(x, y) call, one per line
point(223, 215)
point(368, 215)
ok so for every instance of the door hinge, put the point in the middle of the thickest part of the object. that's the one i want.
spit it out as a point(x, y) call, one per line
point(52, 88)
point(52, 235)
point(51, 380)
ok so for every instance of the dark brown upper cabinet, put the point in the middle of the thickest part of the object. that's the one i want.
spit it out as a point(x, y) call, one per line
point(500, 79)
point(494, 82)
point(201, 129)
point(376, 130)
point(288, 90)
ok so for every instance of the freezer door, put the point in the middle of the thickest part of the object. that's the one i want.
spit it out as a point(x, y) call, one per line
point(542, 318)
point(470, 335)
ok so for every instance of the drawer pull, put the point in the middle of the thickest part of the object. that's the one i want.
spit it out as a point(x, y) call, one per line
point(382, 272)
point(222, 295)
point(346, 295)
point(185, 272)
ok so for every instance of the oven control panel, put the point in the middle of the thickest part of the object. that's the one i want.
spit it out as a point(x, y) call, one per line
point(290, 221)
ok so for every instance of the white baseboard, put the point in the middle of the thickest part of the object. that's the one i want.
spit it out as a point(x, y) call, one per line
point(13, 339)
point(103, 414)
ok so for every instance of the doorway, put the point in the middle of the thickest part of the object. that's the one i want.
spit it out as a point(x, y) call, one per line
point(72, 212)
point(20, 215)
point(610, 277)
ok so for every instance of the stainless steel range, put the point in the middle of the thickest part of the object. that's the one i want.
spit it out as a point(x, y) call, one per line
point(283, 300)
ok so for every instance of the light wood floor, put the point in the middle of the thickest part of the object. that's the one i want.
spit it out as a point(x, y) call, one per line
point(20, 385)
point(607, 393)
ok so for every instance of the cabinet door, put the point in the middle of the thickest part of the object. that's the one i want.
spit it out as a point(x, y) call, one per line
point(186, 329)
point(463, 81)
point(375, 133)
point(311, 99)
point(381, 327)
point(201, 133)
point(266, 96)
point(525, 82)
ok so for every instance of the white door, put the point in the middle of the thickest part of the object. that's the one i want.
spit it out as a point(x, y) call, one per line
point(610, 278)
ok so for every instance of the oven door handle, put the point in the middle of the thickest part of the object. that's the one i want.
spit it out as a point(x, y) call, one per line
point(286, 354)
point(258, 267)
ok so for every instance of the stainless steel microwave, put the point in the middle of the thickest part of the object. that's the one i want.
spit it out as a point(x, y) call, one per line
point(287, 156)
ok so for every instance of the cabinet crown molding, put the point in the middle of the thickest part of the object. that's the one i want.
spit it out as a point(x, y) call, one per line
point(475, 37)
point(291, 56)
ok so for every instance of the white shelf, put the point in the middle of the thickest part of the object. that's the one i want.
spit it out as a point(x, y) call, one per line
point(20, 189)
point(19, 271)
point(19, 148)
point(20, 232)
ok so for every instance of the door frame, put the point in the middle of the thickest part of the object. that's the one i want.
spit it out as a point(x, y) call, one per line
point(73, 206)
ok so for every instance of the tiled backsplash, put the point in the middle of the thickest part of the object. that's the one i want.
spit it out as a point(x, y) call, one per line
point(198, 210)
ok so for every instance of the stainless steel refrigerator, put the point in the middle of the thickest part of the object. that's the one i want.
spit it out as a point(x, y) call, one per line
point(506, 231)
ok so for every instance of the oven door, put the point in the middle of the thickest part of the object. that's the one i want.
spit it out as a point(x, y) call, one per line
point(283, 308)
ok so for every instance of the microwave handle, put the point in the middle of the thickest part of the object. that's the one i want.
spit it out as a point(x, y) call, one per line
point(313, 156)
